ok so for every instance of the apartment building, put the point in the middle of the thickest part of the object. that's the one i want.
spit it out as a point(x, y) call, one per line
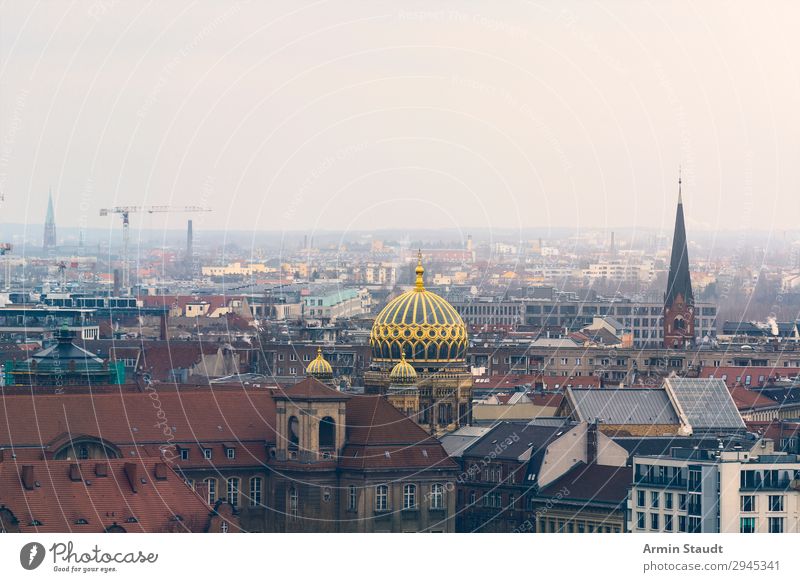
point(724, 490)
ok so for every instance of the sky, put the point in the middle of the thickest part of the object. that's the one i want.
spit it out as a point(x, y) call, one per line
point(359, 115)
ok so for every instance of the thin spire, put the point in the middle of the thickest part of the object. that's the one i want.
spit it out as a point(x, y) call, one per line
point(420, 284)
point(680, 195)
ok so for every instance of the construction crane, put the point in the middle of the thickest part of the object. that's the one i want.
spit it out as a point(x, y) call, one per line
point(125, 212)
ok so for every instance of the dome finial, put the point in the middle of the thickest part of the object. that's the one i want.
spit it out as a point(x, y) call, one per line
point(420, 285)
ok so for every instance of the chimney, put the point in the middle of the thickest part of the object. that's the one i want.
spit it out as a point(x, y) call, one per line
point(161, 471)
point(75, 472)
point(162, 334)
point(189, 247)
point(591, 442)
point(28, 479)
point(130, 473)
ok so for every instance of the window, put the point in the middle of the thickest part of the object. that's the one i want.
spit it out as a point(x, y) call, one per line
point(668, 522)
point(437, 496)
point(233, 491)
point(230, 452)
point(667, 500)
point(695, 477)
point(473, 498)
point(224, 527)
point(206, 453)
point(409, 496)
point(682, 501)
point(654, 499)
point(327, 433)
point(293, 502)
point(294, 432)
point(292, 370)
point(83, 453)
point(352, 498)
point(184, 454)
point(776, 502)
point(255, 490)
point(640, 498)
point(747, 525)
point(654, 521)
point(681, 523)
point(382, 498)
point(748, 503)
point(640, 520)
point(775, 525)
point(211, 485)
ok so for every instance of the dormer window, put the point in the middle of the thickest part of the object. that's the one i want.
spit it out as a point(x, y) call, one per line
point(184, 454)
point(230, 452)
point(207, 453)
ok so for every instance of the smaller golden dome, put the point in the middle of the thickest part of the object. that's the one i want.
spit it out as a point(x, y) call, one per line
point(319, 367)
point(403, 372)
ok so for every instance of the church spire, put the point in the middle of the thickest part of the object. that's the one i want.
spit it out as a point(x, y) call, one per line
point(679, 299)
point(679, 281)
point(50, 224)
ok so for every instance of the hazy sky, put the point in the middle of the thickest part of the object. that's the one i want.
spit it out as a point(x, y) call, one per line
point(358, 115)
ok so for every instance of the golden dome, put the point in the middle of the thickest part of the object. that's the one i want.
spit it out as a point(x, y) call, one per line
point(319, 367)
point(419, 325)
point(403, 372)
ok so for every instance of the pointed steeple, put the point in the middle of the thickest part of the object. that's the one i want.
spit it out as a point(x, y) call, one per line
point(679, 281)
point(50, 224)
point(51, 215)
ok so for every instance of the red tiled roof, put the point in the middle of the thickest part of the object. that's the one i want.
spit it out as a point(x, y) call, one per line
point(737, 375)
point(748, 399)
point(381, 437)
point(136, 418)
point(774, 429)
point(547, 399)
point(310, 389)
point(196, 418)
point(61, 496)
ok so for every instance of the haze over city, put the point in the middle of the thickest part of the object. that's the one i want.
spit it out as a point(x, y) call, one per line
point(352, 116)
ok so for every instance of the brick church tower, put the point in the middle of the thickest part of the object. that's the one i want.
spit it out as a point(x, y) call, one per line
point(679, 299)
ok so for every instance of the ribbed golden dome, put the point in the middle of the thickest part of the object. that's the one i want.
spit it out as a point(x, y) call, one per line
point(403, 372)
point(419, 325)
point(319, 367)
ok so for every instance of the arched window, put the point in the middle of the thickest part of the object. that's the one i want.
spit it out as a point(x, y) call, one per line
point(437, 496)
point(233, 491)
point(409, 496)
point(382, 498)
point(255, 490)
point(211, 486)
point(294, 432)
point(327, 433)
point(680, 324)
